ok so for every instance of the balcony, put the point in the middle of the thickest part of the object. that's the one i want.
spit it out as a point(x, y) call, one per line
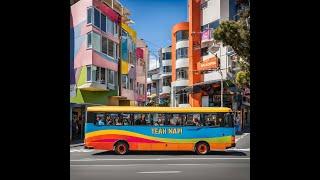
point(181, 82)
point(155, 77)
point(166, 90)
point(119, 8)
point(165, 74)
point(166, 62)
point(182, 62)
point(94, 86)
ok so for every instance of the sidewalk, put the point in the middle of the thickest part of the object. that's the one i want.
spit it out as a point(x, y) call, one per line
point(76, 143)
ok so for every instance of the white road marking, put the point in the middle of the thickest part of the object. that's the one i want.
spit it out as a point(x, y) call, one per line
point(158, 159)
point(138, 164)
point(157, 172)
point(242, 136)
point(128, 165)
point(235, 149)
point(81, 150)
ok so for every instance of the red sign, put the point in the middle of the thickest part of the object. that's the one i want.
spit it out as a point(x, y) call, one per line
point(208, 64)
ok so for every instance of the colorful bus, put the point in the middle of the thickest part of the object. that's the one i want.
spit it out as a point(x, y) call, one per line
point(133, 128)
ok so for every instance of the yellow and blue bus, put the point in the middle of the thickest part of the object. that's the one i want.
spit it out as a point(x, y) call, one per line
point(133, 128)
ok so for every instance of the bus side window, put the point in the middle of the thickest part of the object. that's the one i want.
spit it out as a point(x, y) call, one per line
point(91, 117)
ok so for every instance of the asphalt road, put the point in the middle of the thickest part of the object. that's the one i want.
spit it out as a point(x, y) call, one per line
point(95, 164)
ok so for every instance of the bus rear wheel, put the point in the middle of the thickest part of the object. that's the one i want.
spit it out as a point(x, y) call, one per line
point(121, 148)
point(202, 148)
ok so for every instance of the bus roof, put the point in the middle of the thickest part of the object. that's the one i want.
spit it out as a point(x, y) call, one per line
point(147, 109)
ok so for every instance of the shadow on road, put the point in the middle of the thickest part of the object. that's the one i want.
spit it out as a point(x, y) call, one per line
point(173, 153)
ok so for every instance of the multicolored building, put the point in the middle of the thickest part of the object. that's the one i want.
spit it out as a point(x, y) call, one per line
point(102, 57)
point(197, 73)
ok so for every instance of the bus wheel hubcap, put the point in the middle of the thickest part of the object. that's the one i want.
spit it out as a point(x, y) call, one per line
point(121, 149)
point(202, 149)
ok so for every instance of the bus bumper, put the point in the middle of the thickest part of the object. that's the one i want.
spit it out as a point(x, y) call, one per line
point(232, 145)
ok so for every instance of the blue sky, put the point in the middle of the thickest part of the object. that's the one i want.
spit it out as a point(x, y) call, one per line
point(154, 20)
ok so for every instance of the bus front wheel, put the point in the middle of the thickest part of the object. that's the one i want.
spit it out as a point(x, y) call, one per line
point(202, 148)
point(121, 148)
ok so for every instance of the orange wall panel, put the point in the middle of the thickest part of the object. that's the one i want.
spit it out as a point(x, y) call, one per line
point(178, 27)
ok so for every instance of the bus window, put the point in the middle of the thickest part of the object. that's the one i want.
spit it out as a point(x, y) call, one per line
point(119, 120)
point(161, 119)
point(100, 120)
point(91, 117)
point(126, 119)
point(213, 119)
point(229, 120)
point(176, 119)
point(189, 120)
point(137, 119)
point(109, 120)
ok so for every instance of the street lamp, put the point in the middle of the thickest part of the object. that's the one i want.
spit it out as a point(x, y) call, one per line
point(213, 49)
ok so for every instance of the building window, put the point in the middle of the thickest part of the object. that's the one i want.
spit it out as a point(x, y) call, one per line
point(104, 45)
point(182, 73)
point(96, 74)
point(167, 69)
point(166, 56)
point(167, 81)
point(89, 15)
point(204, 51)
point(111, 78)
point(131, 84)
point(89, 40)
point(182, 53)
point(96, 18)
point(110, 48)
point(182, 35)
point(110, 26)
point(103, 23)
point(115, 51)
point(124, 81)
point(116, 29)
point(88, 73)
point(183, 98)
point(96, 41)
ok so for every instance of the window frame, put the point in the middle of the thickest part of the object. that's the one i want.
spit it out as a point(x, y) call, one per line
point(89, 34)
point(94, 15)
point(91, 14)
point(182, 38)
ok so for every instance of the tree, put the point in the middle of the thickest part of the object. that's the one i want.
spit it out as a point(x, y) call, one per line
point(237, 35)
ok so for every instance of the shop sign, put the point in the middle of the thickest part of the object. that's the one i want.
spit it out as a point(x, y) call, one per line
point(206, 34)
point(208, 64)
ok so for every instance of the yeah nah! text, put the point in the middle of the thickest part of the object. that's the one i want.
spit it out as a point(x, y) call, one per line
point(166, 130)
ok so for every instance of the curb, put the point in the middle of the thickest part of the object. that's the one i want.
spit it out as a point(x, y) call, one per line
point(76, 145)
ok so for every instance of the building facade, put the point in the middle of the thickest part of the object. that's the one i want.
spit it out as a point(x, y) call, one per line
point(165, 76)
point(103, 59)
point(142, 56)
point(197, 71)
point(128, 65)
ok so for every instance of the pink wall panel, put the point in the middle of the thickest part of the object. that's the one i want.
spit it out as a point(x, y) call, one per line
point(84, 56)
point(101, 62)
point(79, 11)
point(127, 93)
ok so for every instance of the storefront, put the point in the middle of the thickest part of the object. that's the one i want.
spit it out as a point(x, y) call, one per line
point(245, 109)
point(77, 121)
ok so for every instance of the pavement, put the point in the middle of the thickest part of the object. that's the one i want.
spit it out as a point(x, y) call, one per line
point(97, 164)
